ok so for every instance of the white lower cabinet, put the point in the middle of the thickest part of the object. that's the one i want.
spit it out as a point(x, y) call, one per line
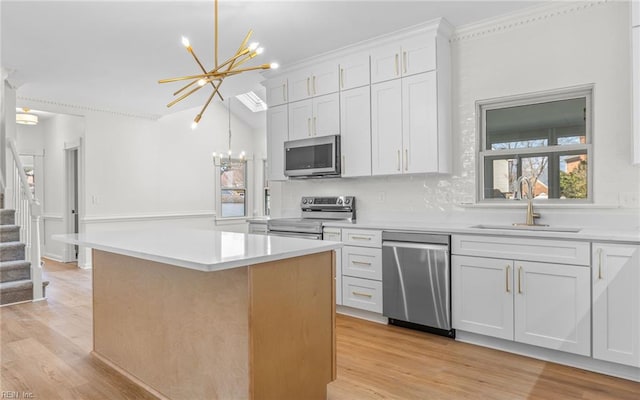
point(542, 304)
point(616, 303)
point(335, 235)
point(365, 294)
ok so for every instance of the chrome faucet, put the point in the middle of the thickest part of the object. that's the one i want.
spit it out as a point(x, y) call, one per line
point(530, 219)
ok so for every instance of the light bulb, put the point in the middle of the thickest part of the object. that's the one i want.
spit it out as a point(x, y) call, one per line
point(214, 155)
point(202, 82)
point(185, 42)
point(274, 66)
point(229, 152)
point(194, 125)
point(242, 155)
point(253, 46)
point(259, 50)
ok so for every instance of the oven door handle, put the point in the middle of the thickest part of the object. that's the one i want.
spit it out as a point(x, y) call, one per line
point(314, 236)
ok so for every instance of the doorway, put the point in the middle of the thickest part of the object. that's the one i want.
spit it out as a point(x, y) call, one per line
point(72, 203)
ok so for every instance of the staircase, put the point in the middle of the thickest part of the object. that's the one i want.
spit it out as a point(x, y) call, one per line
point(15, 272)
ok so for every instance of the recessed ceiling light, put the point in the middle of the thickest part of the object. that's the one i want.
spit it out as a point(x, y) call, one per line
point(252, 101)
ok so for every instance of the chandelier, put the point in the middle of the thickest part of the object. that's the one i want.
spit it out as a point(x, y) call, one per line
point(215, 76)
point(24, 118)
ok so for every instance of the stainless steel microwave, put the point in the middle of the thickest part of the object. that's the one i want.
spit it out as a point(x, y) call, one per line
point(316, 157)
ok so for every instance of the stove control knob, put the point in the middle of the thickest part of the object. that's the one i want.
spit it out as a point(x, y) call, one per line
point(339, 201)
point(310, 201)
point(347, 201)
point(304, 201)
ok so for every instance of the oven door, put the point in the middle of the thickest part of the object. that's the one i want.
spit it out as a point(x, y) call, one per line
point(315, 157)
point(299, 235)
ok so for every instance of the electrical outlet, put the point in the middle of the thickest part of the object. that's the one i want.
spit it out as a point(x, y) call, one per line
point(629, 199)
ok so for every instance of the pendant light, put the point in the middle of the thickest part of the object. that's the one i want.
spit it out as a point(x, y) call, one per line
point(229, 153)
point(215, 76)
point(24, 118)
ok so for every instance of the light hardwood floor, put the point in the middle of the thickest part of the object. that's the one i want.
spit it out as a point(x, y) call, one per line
point(45, 347)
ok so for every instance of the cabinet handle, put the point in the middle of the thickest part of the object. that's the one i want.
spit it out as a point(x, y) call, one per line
point(284, 92)
point(599, 263)
point(507, 278)
point(362, 294)
point(520, 279)
point(404, 61)
point(360, 238)
point(398, 160)
point(315, 127)
point(397, 73)
point(308, 126)
point(360, 263)
point(308, 89)
point(342, 78)
point(406, 159)
point(314, 85)
point(343, 164)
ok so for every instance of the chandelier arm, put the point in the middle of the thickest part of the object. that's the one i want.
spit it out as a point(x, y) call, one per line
point(195, 57)
point(184, 96)
point(184, 87)
point(215, 91)
point(245, 41)
point(230, 60)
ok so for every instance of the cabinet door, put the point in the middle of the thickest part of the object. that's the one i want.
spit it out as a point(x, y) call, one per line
point(354, 71)
point(635, 13)
point(326, 115)
point(324, 79)
point(635, 42)
point(365, 294)
point(420, 123)
point(385, 62)
point(386, 128)
point(552, 306)
point(277, 134)
point(299, 85)
point(616, 303)
point(418, 54)
point(300, 119)
point(482, 295)
point(334, 235)
point(355, 131)
point(276, 92)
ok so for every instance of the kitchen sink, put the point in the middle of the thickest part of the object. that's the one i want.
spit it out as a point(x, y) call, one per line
point(547, 228)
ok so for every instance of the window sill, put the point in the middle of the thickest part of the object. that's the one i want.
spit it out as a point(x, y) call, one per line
point(521, 203)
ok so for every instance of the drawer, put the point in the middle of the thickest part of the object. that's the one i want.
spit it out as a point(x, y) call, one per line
point(541, 250)
point(362, 237)
point(364, 294)
point(333, 234)
point(362, 262)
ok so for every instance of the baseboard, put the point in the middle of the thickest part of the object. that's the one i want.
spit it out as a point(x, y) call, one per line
point(362, 314)
point(558, 357)
point(54, 257)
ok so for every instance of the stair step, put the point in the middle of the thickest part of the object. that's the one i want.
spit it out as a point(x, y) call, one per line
point(7, 217)
point(9, 233)
point(16, 291)
point(15, 270)
point(11, 251)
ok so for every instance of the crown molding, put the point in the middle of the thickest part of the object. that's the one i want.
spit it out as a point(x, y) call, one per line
point(58, 105)
point(520, 18)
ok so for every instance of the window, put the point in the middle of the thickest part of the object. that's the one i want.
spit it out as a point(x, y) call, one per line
point(233, 188)
point(546, 138)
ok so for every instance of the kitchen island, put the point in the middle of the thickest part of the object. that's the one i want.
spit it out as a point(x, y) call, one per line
point(200, 314)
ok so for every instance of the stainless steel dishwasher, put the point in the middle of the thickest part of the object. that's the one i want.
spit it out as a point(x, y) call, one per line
point(416, 281)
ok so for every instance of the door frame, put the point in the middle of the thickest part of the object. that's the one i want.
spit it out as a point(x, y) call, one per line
point(73, 187)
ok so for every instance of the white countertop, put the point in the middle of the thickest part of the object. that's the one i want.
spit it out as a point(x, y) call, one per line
point(203, 250)
point(589, 233)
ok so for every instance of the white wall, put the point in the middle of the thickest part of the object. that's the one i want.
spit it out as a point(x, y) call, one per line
point(587, 45)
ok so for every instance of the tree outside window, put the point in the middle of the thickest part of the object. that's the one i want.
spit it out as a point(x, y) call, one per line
point(233, 190)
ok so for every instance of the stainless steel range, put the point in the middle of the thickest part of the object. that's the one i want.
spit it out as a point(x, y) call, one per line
point(314, 211)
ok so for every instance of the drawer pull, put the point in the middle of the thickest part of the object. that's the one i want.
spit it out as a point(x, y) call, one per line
point(404, 61)
point(342, 78)
point(362, 294)
point(397, 73)
point(361, 237)
point(360, 263)
point(599, 263)
point(308, 89)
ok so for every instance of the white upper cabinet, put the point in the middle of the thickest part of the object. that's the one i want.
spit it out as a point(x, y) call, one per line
point(635, 13)
point(386, 128)
point(420, 123)
point(276, 91)
point(354, 71)
point(355, 135)
point(635, 42)
point(319, 116)
point(318, 80)
point(277, 134)
point(616, 303)
point(412, 55)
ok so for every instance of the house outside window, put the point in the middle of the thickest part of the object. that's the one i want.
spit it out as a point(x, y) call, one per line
point(233, 188)
point(546, 138)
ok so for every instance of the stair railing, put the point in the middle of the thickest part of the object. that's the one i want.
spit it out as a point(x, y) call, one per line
point(28, 212)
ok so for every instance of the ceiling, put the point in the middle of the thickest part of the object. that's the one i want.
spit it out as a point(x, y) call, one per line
point(109, 55)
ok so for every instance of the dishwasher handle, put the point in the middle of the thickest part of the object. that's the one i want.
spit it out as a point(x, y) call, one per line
point(423, 246)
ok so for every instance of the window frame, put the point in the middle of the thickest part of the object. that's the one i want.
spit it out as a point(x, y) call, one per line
point(219, 162)
point(550, 151)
